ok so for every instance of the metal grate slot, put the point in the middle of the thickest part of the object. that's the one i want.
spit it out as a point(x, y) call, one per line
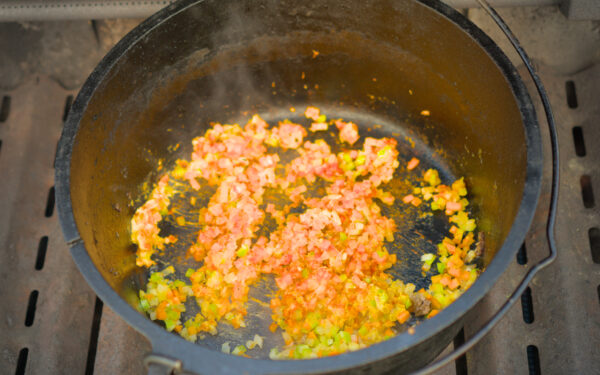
point(461, 362)
point(41, 253)
point(587, 193)
point(578, 140)
point(5, 108)
point(68, 103)
point(522, 255)
point(94, 25)
point(527, 306)
point(571, 94)
point(533, 360)
point(50, 203)
point(92, 349)
point(594, 236)
point(31, 306)
point(22, 361)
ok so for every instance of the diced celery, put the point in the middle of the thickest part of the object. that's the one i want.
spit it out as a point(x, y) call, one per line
point(441, 267)
point(470, 225)
point(170, 324)
point(437, 288)
point(442, 250)
point(240, 349)
point(172, 315)
point(178, 172)
point(363, 330)
point(242, 251)
point(346, 336)
point(144, 304)
point(225, 347)
point(156, 277)
point(274, 353)
point(432, 177)
point(360, 160)
point(428, 258)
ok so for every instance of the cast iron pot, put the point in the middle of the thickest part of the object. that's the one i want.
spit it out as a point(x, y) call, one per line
point(379, 62)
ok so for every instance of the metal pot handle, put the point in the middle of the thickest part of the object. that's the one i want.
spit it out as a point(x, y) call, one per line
point(161, 365)
point(487, 327)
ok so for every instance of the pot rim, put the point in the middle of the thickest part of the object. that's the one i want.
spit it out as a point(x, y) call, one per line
point(212, 361)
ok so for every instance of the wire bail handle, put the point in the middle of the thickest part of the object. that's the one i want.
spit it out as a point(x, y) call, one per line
point(551, 214)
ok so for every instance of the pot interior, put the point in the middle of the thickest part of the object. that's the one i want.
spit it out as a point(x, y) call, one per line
point(378, 63)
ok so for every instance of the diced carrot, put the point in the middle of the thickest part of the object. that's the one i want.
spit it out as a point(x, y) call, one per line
point(403, 316)
point(412, 164)
point(445, 281)
point(454, 272)
point(453, 284)
point(435, 303)
point(468, 240)
point(451, 248)
point(409, 198)
point(457, 260)
point(416, 202)
point(465, 275)
point(273, 327)
point(453, 206)
point(161, 312)
point(433, 313)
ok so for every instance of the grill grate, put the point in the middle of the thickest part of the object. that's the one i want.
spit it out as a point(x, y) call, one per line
point(561, 336)
point(47, 307)
point(51, 322)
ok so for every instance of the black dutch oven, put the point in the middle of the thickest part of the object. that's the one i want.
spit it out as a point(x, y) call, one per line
point(215, 60)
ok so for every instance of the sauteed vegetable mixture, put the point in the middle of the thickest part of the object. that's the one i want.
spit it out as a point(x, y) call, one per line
point(326, 253)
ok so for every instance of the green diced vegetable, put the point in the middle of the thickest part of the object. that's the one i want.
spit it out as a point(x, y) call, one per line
point(242, 251)
point(240, 349)
point(441, 267)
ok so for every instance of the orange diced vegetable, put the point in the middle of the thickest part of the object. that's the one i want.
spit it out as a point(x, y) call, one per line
point(412, 164)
